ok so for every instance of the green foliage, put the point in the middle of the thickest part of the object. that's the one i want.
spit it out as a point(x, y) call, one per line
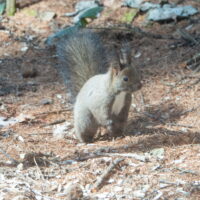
point(89, 13)
point(30, 12)
point(130, 15)
point(82, 22)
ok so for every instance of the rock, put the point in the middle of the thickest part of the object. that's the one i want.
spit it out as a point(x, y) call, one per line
point(22, 156)
point(118, 189)
point(138, 54)
point(147, 6)
point(145, 188)
point(24, 47)
point(89, 13)
point(85, 10)
point(169, 12)
point(157, 153)
point(59, 96)
point(20, 138)
point(61, 130)
point(85, 5)
point(47, 16)
point(158, 12)
point(133, 3)
point(6, 122)
point(46, 101)
point(20, 166)
point(138, 194)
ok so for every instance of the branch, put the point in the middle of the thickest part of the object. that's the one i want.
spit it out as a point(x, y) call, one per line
point(101, 179)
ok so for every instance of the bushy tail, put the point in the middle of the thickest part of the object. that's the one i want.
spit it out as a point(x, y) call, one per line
point(82, 55)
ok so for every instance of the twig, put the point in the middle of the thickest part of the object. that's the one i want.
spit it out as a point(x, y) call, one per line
point(171, 123)
point(38, 168)
point(168, 182)
point(59, 121)
point(187, 171)
point(194, 83)
point(142, 99)
point(185, 35)
point(138, 157)
point(177, 83)
point(194, 59)
point(81, 159)
point(179, 125)
point(54, 112)
point(153, 117)
point(190, 110)
point(45, 133)
point(101, 179)
point(135, 30)
point(14, 162)
point(128, 155)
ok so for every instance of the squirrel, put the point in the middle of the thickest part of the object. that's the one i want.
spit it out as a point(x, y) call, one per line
point(101, 81)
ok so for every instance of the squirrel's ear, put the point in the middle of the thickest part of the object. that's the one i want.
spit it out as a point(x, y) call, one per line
point(114, 70)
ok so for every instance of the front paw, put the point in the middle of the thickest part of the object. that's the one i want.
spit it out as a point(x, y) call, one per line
point(109, 122)
point(110, 125)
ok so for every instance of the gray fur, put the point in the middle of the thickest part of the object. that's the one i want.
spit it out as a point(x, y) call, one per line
point(103, 98)
point(81, 56)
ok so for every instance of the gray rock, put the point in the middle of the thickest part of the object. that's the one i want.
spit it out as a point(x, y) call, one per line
point(168, 12)
point(82, 5)
point(61, 130)
point(157, 153)
point(91, 12)
point(147, 6)
point(133, 3)
point(46, 101)
point(85, 5)
point(6, 122)
point(156, 12)
point(47, 16)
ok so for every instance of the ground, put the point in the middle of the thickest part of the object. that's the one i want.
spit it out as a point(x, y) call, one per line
point(159, 153)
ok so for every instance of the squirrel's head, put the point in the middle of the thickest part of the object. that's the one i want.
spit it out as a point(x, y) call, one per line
point(125, 77)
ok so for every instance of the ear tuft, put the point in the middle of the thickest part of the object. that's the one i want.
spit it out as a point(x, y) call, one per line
point(114, 69)
point(125, 55)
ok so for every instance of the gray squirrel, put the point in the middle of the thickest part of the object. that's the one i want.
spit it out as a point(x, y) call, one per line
point(101, 81)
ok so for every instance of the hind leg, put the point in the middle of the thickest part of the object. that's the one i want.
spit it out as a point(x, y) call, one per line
point(85, 126)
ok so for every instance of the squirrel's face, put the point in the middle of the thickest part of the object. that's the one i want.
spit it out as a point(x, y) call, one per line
point(127, 79)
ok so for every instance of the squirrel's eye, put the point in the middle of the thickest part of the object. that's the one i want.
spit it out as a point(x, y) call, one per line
point(125, 78)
